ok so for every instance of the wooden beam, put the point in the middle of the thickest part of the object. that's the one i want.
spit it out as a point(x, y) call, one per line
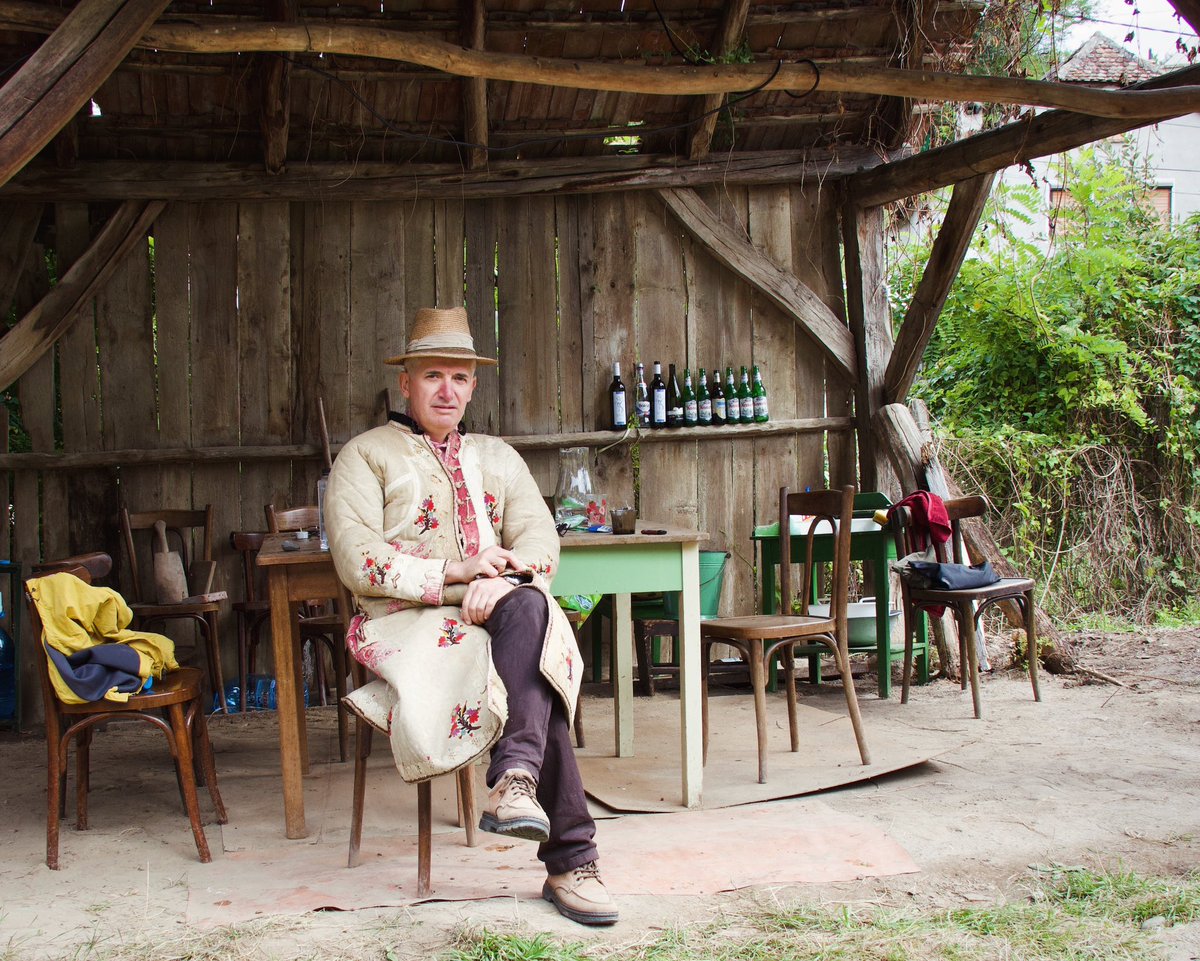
point(16, 242)
point(949, 250)
point(275, 101)
point(1024, 140)
point(1190, 11)
point(776, 284)
point(218, 35)
point(706, 112)
point(475, 112)
point(64, 72)
point(120, 180)
point(37, 331)
point(869, 315)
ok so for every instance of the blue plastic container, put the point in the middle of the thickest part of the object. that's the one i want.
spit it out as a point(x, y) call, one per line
point(8, 676)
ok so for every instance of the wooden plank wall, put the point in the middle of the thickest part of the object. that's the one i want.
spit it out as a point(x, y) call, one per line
point(230, 326)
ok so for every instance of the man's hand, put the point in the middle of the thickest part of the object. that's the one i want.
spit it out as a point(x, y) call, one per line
point(490, 562)
point(481, 598)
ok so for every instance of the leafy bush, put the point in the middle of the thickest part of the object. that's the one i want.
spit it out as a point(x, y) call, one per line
point(1064, 385)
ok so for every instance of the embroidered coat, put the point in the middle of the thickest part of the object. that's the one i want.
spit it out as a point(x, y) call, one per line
point(397, 511)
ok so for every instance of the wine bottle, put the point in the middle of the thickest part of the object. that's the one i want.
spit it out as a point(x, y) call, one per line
point(733, 406)
point(641, 406)
point(703, 401)
point(658, 398)
point(745, 399)
point(618, 416)
point(691, 413)
point(674, 400)
point(759, 391)
point(718, 399)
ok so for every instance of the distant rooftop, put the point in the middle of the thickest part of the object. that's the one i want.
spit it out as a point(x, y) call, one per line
point(1101, 60)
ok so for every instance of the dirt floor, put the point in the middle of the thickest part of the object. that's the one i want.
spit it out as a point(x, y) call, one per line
point(1098, 774)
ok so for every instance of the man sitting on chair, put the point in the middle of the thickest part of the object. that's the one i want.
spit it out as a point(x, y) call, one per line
point(447, 545)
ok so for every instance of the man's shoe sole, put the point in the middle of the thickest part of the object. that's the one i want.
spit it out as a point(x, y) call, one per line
point(579, 917)
point(529, 829)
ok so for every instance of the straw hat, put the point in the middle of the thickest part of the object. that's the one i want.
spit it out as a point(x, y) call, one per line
point(440, 333)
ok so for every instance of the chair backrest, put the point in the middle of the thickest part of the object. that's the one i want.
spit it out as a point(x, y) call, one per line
point(248, 544)
point(958, 509)
point(832, 513)
point(87, 567)
point(179, 523)
point(292, 518)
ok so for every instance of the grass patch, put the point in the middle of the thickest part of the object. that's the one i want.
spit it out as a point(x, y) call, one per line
point(1068, 914)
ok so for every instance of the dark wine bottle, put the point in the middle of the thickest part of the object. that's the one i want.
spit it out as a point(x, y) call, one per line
point(658, 398)
point(674, 400)
point(618, 412)
point(718, 399)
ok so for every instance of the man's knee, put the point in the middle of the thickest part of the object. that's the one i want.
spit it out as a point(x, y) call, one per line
point(523, 609)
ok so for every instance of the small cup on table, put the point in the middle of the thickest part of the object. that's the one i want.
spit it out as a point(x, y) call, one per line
point(624, 520)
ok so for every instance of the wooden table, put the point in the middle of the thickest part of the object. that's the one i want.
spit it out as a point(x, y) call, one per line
point(292, 577)
point(615, 564)
point(621, 564)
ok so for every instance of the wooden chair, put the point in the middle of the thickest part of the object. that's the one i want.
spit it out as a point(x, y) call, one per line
point(319, 621)
point(575, 618)
point(759, 637)
point(465, 781)
point(968, 604)
point(252, 613)
point(202, 609)
point(174, 706)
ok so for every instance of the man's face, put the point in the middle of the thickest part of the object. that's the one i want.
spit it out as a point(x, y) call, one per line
point(438, 390)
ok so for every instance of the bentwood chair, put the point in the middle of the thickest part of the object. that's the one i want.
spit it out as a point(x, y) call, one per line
point(173, 706)
point(968, 604)
point(758, 637)
point(202, 608)
point(321, 621)
point(465, 785)
point(252, 613)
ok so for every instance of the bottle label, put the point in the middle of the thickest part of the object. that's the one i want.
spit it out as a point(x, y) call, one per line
point(760, 408)
point(643, 412)
point(734, 408)
point(718, 408)
point(618, 409)
point(690, 411)
point(660, 407)
point(704, 411)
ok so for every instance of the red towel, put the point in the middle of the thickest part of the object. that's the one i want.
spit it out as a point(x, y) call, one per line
point(930, 520)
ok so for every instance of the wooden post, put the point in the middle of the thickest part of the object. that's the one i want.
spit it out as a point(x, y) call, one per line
point(706, 112)
point(475, 115)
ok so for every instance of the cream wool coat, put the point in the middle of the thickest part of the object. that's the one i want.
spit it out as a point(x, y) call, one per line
point(396, 513)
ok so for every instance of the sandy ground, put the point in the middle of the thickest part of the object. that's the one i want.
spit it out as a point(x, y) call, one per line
point(1097, 774)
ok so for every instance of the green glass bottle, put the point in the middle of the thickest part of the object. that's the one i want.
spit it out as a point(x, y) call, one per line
point(733, 406)
point(704, 410)
point(759, 392)
point(691, 415)
point(745, 399)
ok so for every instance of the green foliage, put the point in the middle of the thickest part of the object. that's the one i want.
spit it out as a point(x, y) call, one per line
point(1065, 385)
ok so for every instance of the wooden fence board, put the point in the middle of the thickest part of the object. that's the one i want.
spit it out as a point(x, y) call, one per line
point(377, 322)
point(481, 238)
point(808, 263)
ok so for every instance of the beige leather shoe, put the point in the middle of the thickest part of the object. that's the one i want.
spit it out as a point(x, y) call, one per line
point(513, 810)
point(581, 896)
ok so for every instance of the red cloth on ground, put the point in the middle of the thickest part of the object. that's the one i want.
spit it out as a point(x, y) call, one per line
point(929, 518)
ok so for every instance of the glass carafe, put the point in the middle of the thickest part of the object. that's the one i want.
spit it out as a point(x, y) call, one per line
point(575, 489)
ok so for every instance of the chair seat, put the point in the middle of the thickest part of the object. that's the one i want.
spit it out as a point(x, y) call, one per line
point(1005, 587)
point(177, 687)
point(765, 627)
point(182, 609)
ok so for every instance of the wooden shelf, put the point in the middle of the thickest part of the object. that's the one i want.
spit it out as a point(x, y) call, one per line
point(92, 460)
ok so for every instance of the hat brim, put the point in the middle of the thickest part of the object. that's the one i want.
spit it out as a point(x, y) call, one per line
point(444, 354)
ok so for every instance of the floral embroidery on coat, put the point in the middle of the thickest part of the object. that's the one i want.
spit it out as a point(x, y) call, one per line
point(427, 519)
point(369, 654)
point(493, 511)
point(464, 720)
point(376, 571)
point(417, 549)
point(451, 634)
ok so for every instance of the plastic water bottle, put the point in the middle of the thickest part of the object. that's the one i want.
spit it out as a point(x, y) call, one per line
point(322, 482)
point(8, 676)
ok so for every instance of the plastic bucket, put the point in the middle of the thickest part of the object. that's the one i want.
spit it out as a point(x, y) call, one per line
point(712, 579)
